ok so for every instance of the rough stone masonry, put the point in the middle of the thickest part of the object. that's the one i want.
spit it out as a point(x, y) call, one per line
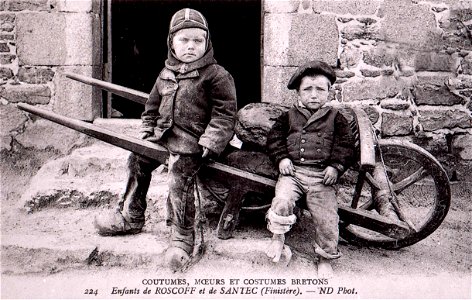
point(407, 62)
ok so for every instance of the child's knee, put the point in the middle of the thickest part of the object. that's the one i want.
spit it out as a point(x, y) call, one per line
point(282, 207)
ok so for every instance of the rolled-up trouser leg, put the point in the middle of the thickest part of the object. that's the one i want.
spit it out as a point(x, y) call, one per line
point(280, 217)
point(323, 207)
point(133, 203)
point(181, 199)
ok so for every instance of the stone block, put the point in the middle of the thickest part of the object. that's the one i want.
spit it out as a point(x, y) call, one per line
point(4, 47)
point(277, 6)
point(11, 118)
point(35, 75)
point(466, 65)
point(373, 89)
point(455, 32)
point(21, 5)
point(292, 39)
point(360, 31)
point(372, 112)
point(352, 7)
point(74, 5)
point(255, 120)
point(75, 99)
point(6, 59)
point(385, 54)
point(43, 134)
point(6, 37)
point(350, 56)
point(275, 86)
point(396, 124)
point(55, 39)
point(370, 73)
point(435, 95)
point(5, 73)
point(7, 22)
point(434, 62)
point(395, 104)
point(410, 24)
point(438, 79)
point(461, 145)
point(344, 74)
point(460, 82)
point(432, 119)
point(32, 94)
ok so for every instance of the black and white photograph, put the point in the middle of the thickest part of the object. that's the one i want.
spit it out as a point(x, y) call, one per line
point(239, 149)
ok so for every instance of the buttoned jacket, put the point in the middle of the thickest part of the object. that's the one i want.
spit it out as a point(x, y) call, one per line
point(188, 111)
point(319, 139)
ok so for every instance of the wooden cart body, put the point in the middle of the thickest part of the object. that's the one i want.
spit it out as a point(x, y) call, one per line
point(359, 223)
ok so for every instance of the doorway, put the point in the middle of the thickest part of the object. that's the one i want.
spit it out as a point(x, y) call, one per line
point(139, 31)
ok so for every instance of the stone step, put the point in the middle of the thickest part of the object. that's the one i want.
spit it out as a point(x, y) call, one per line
point(55, 240)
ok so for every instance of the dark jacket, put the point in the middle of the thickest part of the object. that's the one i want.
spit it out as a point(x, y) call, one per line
point(192, 106)
point(320, 139)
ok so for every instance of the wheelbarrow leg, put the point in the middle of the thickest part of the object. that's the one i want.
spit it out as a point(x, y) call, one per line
point(230, 215)
point(381, 193)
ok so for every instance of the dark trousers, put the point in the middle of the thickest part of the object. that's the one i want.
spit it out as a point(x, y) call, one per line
point(180, 201)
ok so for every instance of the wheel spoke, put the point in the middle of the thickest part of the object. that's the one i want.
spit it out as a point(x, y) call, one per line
point(406, 182)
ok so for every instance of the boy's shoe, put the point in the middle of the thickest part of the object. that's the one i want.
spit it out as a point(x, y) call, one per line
point(116, 224)
point(176, 258)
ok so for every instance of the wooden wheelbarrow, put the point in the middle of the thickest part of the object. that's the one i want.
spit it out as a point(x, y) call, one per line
point(405, 175)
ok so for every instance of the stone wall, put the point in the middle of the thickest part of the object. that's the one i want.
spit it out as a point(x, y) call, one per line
point(39, 40)
point(408, 62)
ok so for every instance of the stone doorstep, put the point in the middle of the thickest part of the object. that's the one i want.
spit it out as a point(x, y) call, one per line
point(48, 254)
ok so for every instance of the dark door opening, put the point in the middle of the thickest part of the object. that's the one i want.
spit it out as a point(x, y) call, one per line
point(139, 33)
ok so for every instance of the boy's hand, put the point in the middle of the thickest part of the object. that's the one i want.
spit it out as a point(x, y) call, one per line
point(206, 152)
point(286, 167)
point(144, 135)
point(330, 175)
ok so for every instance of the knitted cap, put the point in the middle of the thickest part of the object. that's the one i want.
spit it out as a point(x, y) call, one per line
point(187, 18)
point(315, 67)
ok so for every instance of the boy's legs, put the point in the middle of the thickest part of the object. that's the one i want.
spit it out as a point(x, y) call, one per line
point(129, 215)
point(323, 207)
point(181, 207)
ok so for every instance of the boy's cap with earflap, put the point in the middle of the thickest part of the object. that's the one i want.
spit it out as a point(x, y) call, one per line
point(187, 18)
point(312, 67)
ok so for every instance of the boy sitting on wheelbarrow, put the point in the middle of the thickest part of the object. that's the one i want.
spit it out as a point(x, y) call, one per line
point(312, 146)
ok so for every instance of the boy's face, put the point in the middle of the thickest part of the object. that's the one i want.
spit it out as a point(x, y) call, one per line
point(189, 44)
point(313, 91)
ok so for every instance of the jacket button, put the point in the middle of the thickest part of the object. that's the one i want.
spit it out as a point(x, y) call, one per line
point(303, 131)
point(318, 150)
point(302, 159)
point(303, 141)
point(302, 150)
point(319, 133)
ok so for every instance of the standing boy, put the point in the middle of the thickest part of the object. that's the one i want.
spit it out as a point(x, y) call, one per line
point(312, 146)
point(191, 110)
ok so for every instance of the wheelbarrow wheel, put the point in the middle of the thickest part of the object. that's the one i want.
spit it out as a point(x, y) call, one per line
point(421, 187)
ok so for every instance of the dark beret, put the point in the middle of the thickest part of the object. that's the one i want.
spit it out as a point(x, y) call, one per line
point(314, 67)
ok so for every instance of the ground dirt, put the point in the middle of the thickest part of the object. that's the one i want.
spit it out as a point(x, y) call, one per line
point(54, 252)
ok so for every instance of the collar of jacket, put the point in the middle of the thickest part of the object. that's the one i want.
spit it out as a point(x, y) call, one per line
point(312, 117)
